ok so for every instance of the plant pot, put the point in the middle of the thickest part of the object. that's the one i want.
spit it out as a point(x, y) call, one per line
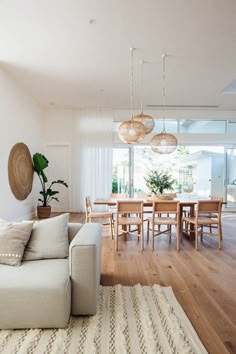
point(43, 212)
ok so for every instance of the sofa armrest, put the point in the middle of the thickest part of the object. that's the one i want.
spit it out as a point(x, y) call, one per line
point(73, 229)
point(85, 269)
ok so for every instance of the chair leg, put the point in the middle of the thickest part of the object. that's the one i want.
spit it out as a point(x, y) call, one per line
point(142, 243)
point(178, 236)
point(220, 226)
point(153, 237)
point(116, 237)
point(148, 224)
point(196, 237)
point(169, 231)
point(201, 231)
point(219, 236)
point(111, 227)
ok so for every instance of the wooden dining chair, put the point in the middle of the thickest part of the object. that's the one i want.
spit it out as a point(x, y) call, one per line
point(129, 213)
point(90, 215)
point(215, 197)
point(112, 208)
point(164, 214)
point(208, 213)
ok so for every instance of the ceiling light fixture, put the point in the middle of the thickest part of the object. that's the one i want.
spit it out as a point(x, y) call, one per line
point(92, 21)
point(145, 119)
point(131, 131)
point(164, 143)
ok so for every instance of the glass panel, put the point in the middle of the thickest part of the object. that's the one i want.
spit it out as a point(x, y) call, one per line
point(170, 125)
point(232, 127)
point(120, 171)
point(231, 177)
point(197, 170)
point(203, 126)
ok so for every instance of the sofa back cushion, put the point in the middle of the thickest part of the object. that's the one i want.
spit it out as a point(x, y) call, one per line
point(49, 239)
point(13, 239)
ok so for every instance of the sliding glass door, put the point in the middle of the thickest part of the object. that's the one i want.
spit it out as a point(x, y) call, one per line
point(121, 175)
point(198, 170)
point(231, 178)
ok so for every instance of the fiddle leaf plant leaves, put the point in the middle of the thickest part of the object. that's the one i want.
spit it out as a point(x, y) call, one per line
point(40, 163)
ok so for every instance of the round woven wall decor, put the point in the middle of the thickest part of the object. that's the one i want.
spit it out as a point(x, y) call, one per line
point(20, 171)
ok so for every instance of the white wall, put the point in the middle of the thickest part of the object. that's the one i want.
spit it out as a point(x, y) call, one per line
point(88, 133)
point(20, 118)
point(62, 126)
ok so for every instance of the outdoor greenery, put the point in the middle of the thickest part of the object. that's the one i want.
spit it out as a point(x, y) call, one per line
point(40, 162)
point(157, 182)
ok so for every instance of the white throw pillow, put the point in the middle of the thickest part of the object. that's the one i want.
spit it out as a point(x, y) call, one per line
point(49, 239)
point(13, 239)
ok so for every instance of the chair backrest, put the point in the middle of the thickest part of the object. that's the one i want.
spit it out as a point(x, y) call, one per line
point(209, 206)
point(129, 207)
point(166, 207)
point(87, 204)
point(118, 195)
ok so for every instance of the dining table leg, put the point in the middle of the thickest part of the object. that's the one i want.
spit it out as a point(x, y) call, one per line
point(191, 234)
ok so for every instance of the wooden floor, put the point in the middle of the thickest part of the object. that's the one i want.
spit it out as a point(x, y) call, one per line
point(204, 282)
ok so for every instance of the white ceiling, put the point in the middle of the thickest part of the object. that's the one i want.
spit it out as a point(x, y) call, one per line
point(52, 50)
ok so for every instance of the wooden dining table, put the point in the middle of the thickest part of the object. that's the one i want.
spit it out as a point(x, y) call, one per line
point(184, 201)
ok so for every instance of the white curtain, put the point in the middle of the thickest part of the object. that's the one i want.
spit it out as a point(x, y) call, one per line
point(94, 156)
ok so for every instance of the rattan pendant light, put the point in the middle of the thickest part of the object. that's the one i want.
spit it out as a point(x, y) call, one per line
point(131, 131)
point(145, 119)
point(164, 143)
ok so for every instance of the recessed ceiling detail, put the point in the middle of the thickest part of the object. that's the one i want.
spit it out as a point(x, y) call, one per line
point(231, 88)
point(181, 106)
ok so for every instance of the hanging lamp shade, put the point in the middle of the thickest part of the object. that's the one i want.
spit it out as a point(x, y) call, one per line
point(163, 143)
point(146, 120)
point(131, 131)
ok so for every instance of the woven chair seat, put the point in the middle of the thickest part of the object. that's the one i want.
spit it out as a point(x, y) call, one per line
point(130, 221)
point(164, 221)
point(102, 214)
point(202, 220)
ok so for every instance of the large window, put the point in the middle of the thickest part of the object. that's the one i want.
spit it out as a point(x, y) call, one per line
point(231, 177)
point(198, 170)
point(203, 126)
point(121, 171)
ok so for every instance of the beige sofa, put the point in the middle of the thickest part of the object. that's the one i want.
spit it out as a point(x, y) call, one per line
point(44, 293)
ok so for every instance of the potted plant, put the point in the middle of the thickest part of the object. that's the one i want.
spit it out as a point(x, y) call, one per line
point(157, 182)
point(47, 193)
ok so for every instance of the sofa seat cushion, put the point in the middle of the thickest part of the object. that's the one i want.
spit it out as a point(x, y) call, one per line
point(35, 295)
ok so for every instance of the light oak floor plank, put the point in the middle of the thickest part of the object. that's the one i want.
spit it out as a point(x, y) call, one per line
point(204, 281)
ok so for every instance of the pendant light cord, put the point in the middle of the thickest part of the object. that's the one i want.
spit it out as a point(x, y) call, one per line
point(164, 92)
point(132, 84)
point(141, 62)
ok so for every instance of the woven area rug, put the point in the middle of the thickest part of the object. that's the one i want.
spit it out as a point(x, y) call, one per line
point(138, 319)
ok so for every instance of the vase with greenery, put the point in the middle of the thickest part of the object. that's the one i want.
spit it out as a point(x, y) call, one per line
point(47, 192)
point(159, 181)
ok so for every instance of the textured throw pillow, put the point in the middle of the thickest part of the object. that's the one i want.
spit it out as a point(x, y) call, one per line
point(49, 239)
point(13, 239)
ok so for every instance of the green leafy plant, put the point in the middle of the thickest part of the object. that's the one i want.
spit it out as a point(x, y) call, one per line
point(48, 194)
point(157, 182)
